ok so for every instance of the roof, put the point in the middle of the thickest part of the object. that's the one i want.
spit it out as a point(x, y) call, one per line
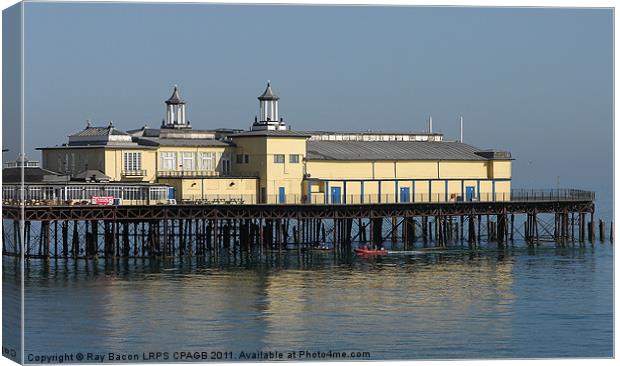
point(131, 145)
point(32, 175)
point(99, 131)
point(392, 150)
point(268, 93)
point(270, 133)
point(92, 175)
point(175, 98)
point(145, 132)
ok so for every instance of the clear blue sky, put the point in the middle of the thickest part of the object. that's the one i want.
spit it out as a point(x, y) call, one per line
point(537, 82)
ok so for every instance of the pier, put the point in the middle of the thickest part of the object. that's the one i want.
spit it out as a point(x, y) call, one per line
point(58, 231)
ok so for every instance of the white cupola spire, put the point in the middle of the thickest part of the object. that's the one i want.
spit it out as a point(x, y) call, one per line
point(175, 112)
point(269, 118)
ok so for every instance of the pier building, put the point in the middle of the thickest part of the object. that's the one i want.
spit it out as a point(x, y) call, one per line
point(270, 163)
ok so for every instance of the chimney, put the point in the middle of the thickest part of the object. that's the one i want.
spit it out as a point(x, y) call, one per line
point(461, 140)
point(430, 124)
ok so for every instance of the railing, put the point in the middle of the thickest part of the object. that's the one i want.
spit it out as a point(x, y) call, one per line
point(187, 173)
point(203, 173)
point(133, 173)
point(25, 164)
point(562, 194)
point(42, 195)
point(517, 195)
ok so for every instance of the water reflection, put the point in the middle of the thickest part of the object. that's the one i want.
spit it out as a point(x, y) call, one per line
point(11, 309)
point(449, 303)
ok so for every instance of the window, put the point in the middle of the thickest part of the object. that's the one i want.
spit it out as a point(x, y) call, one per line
point(168, 160)
point(246, 158)
point(293, 158)
point(224, 164)
point(206, 161)
point(133, 161)
point(188, 161)
point(278, 158)
point(239, 159)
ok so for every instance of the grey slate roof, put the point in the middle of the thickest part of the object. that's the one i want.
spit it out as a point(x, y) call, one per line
point(175, 98)
point(270, 133)
point(92, 175)
point(145, 132)
point(32, 175)
point(268, 94)
point(116, 145)
point(392, 150)
point(99, 131)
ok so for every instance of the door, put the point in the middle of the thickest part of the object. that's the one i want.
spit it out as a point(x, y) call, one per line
point(171, 193)
point(282, 195)
point(470, 193)
point(335, 193)
point(404, 195)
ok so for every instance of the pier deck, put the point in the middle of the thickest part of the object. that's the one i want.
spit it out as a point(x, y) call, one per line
point(54, 231)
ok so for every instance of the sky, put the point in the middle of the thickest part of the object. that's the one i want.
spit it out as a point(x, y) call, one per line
point(534, 81)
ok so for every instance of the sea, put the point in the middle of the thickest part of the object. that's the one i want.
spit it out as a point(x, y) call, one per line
point(457, 302)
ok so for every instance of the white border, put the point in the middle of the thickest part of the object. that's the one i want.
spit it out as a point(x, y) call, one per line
point(477, 3)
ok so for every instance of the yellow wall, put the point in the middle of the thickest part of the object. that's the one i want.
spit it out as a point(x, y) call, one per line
point(333, 169)
point(211, 189)
point(501, 169)
point(463, 169)
point(453, 171)
point(261, 151)
point(256, 149)
point(114, 165)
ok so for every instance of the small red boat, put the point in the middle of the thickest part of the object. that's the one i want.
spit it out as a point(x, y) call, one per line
point(363, 251)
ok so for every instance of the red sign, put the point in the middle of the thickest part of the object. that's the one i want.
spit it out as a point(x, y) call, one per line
point(102, 200)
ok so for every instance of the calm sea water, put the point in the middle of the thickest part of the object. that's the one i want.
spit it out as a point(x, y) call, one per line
point(437, 303)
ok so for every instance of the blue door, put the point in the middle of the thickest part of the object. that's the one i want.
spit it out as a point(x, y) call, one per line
point(404, 195)
point(171, 193)
point(282, 195)
point(335, 193)
point(470, 193)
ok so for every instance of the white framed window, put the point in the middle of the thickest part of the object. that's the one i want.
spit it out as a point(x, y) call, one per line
point(278, 158)
point(188, 161)
point(168, 160)
point(206, 161)
point(293, 158)
point(132, 161)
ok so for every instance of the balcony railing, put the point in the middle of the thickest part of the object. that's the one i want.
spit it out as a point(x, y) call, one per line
point(134, 173)
point(203, 174)
point(187, 173)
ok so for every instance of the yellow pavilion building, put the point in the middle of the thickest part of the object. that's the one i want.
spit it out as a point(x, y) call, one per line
point(272, 164)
